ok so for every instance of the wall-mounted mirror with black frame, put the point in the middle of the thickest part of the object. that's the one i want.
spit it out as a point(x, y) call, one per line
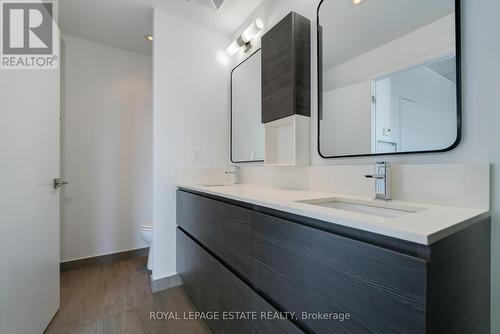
point(247, 131)
point(389, 77)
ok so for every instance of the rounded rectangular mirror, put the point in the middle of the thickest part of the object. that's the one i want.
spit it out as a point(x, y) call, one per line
point(247, 130)
point(389, 77)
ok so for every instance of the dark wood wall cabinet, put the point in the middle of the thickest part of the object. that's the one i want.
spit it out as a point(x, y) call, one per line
point(286, 69)
point(237, 257)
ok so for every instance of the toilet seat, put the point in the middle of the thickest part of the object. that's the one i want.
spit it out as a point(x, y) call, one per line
point(146, 231)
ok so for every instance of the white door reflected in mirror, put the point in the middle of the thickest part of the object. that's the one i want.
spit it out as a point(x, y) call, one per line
point(415, 108)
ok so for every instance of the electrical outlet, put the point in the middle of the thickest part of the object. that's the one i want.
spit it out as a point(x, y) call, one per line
point(196, 155)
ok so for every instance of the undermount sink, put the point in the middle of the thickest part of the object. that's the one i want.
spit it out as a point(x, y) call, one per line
point(215, 185)
point(379, 209)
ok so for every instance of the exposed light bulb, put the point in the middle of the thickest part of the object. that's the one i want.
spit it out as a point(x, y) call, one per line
point(149, 37)
point(252, 30)
point(233, 48)
point(244, 40)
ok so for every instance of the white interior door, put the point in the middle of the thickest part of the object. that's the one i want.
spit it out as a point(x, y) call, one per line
point(412, 125)
point(29, 206)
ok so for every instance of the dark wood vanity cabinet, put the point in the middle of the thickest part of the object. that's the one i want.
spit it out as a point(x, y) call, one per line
point(295, 264)
point(286, 69)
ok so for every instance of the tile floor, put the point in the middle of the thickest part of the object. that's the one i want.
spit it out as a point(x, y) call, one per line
point(116, 298)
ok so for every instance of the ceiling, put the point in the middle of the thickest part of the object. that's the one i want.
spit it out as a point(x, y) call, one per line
point(349, 31)
point(446, 67)
point(123, 23)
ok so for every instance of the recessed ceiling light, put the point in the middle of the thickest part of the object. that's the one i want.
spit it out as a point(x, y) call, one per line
point(358, 2)
point(149, 37)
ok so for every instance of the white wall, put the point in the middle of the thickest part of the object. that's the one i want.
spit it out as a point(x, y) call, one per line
point(426, 43)
point(346, 127)
point(191, 108)
point(106, 148)
point(481, 115)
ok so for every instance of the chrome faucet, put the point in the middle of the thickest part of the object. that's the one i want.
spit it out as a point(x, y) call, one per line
point(235, 172)
point(382, 178)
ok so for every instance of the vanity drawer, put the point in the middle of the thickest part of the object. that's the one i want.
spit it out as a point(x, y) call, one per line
point(236, 296)
point(201, 276)
point(268, 325)
point(308, 270)
point(214, 288)
point(223, 228)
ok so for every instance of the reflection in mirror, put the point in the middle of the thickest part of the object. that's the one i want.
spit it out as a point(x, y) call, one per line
point(247, 130)
point(414, 109)
point(389, 79)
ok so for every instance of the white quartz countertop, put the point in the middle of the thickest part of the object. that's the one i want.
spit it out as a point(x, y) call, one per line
point(430, 224)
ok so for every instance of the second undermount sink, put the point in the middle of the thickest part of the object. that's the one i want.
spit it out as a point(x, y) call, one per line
point(216, 185)
point(374, 208)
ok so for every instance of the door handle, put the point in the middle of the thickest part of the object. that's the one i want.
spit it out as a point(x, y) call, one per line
point(58, 183)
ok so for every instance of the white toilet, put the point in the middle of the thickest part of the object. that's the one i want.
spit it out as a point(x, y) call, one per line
point(146, 231)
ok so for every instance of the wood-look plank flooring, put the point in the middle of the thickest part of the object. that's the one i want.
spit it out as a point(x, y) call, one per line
point(116, 298)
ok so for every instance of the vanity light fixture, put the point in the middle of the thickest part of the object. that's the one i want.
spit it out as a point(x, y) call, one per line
point(245, 39)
